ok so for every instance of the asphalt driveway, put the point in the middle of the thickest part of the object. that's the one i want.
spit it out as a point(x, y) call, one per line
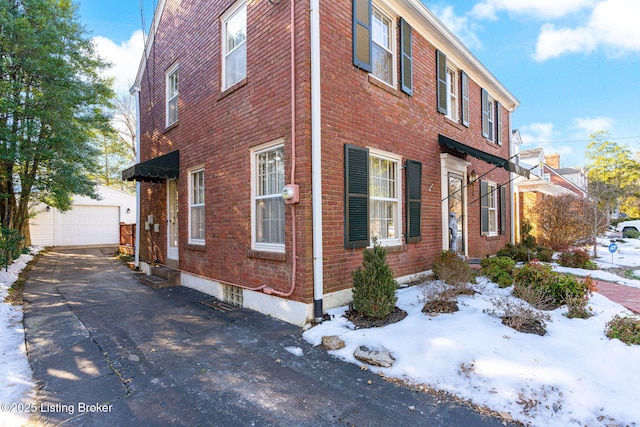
point(106, 350)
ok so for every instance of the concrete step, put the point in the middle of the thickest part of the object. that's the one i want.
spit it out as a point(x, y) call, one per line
point(167, 273)
point(160, 277)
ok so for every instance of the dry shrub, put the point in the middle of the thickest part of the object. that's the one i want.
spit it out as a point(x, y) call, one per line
point(519, 315)
point(440, 297)
point(560, 221)
point(452, 269)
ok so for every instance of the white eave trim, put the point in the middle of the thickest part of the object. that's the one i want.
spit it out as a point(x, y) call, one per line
point(149, 42)
point(425, 22)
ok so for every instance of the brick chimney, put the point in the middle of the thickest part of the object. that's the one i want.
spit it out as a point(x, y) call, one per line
point(553, 160)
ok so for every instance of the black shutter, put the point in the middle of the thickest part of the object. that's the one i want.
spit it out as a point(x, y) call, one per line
point(484, 207)
point(498, 123)
point(406, 63)
point(484, 99)
point(503, 209)
point(362, 34)
point(413, 175)
point(465, 98)
point(356, 195)
point(441, 65)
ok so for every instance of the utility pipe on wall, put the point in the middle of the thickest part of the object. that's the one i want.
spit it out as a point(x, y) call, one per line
point(135, 91)
point(316, 166)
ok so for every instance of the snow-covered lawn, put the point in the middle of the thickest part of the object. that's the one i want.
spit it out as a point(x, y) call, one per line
point(574, 375)
point(16, 382)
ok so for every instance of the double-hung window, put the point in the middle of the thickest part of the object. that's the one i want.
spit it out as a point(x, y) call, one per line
point(384, 194)
point(489, 208)
point(268, 204)
point(234, 45)
point(382, 46)
point(172, 95)
point(373, 198)
point(196, 206)
point(452, 94)
point(488, 115)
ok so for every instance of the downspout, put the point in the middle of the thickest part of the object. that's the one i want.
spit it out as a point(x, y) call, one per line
point(294, 242)
point(135, 91)
point(316, 166)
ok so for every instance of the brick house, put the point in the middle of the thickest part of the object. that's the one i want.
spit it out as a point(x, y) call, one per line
point(546, 179)
point(378, 121)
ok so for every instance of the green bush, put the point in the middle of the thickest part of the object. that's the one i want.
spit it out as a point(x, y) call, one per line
point(548, 283)
point(452, 269)
point(374, 286)
point(631, 234)
point(576, 258)
point(624, 328)
point(499, 270)
point(523, 253)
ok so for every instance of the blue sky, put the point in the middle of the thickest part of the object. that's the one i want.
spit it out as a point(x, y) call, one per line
point(573, 64)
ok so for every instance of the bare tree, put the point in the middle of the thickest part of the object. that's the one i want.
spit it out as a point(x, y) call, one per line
point(125, 120)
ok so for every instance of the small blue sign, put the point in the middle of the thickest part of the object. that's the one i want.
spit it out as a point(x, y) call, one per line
point(613, 247)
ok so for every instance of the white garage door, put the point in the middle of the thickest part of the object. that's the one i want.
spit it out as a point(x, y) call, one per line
point(88, 225)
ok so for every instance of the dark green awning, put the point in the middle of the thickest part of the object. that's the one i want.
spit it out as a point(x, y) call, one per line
point(154, 170)
point(485, 157)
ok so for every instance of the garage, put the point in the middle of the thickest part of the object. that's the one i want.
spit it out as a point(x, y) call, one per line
point(88, 225)
point(89, 222)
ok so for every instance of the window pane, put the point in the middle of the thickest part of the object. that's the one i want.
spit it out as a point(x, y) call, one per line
point(236, 65)
point(270, 220)
point(269, 203)
point(197, 222)
point(235, 47)
point(381, 54)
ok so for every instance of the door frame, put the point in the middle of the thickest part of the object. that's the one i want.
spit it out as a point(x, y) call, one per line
point(452, 164)
point(173, 252)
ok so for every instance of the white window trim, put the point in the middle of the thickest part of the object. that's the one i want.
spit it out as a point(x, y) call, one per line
point(259, 246)
point(453, 98)
point(170, 71)
point(393, 41)
point(492, 190)
point(228, 14)
point(191, 172)
point(373, 152)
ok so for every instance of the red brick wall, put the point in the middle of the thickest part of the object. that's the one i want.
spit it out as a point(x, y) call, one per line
point(218, 130)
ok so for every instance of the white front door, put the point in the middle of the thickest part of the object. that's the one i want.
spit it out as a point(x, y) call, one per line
point(172, 215)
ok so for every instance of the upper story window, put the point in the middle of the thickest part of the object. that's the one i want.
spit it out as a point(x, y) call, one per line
point(376, 49)
point(196, 206)
point(172, 95)
point(488, 106)
point(452, 94)
point(268, 204)
point(382, 46)
point(234, 45)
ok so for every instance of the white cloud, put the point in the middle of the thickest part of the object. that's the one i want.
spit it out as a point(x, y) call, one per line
point(585, 126)
point(124, 58)
point(554, 42)
point(459, 26)
point(488, 9)
point(613, 26)
point(537, 133)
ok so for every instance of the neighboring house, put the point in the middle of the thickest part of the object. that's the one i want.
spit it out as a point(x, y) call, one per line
point(546, 179)
point(373, 115)
point(88, 222)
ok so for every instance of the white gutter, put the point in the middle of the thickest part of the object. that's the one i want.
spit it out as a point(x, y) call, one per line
point(316, 165)
point(135, 91)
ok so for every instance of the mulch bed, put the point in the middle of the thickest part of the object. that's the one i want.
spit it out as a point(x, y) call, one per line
point(362, 321)
point(439, 306)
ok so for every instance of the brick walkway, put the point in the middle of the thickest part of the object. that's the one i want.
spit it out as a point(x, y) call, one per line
point(625, 295)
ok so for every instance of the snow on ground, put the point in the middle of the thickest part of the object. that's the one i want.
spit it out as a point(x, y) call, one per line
point(16, 380)
point(574, 375)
